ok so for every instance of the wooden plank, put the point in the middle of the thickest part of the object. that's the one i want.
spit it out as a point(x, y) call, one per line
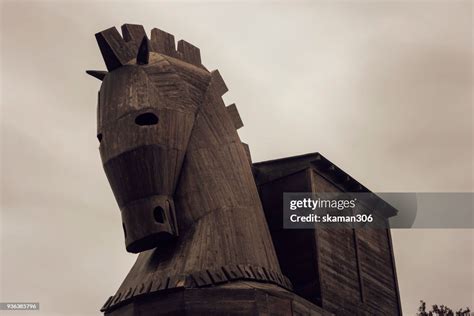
point(99, 74)
point(350, 266)
point(395, 278)
point(133, 34)
point(162, 42)
point(114, 49)
point(234, 116)
point(219, 83)
point(247, 152)
point(143, 54)
point(189, 53)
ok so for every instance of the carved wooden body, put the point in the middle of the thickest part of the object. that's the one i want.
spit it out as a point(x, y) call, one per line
point(184, 184)
point(179, 172)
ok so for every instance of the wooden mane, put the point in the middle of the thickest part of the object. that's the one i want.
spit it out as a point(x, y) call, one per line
point(187, 176)
point(134, 47)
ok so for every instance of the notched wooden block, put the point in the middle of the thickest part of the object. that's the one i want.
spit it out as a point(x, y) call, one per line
point(246, 271)
point(176, 281)
point(117, 298)
point(189, 282)
point(149, 285)
point(218, 82)
point(166, 283)
point(258, 272)
point(234, 116)
point(107, 303)
point(162, 42)
point(133, 32)
point(273, 277)
point(217, 276)
point(158, 284)
point(247, 152)
point(123, 297)
point(189, 53)
point(115, 51)
point(268, 275)
point(128, 294)
point(232, 272)
point(201, 278)
point(279, 278)
point(143, 288)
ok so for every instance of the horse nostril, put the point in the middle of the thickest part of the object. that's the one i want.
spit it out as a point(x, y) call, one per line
point(159, 214)
point(146, 119)
point(99, 137)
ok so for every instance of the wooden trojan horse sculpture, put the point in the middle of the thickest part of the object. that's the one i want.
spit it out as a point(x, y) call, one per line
point(183, 181)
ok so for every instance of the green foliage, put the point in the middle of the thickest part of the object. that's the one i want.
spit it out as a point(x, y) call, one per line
point(441, 310)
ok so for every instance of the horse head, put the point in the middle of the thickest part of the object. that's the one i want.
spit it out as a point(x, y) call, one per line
point(145, 118)
point(173, 157)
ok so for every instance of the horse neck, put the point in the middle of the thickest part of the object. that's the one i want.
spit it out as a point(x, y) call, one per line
point(220, 210)
point(220, 216)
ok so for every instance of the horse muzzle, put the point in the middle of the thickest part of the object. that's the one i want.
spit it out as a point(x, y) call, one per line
point(149, 222)
point(143, 181)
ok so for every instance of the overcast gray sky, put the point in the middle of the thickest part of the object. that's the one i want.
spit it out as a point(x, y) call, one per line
point(382, 89)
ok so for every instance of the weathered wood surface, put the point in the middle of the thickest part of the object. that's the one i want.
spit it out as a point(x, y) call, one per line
point(346, 271)
point(179, 172)
point(184, 184)
point(156, 282)
point(239, 298)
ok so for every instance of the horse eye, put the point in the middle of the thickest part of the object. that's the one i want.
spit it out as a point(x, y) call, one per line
point(146, 119)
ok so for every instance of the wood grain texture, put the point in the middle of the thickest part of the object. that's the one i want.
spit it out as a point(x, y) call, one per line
point(237, 298)
point(345, 271)
point(163, 42)
point(143, 54)
point(235, 116)
point(133, 34)
point(115, 51)
point(99, 74)
point(179, 172)
point(189, 53)
point(186, 189)
point(199, 279)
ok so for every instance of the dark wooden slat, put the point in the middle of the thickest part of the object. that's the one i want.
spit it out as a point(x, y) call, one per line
point(99, 74)
point(133, 32)
point(235, 116)
point(247, 152)
point(162, 42)
point(114, 49)
point(189, 53)
point(143, 53)
point(219, 83)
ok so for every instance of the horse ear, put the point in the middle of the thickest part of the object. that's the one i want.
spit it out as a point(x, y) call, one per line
point(143, 52)
point(99, 74)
